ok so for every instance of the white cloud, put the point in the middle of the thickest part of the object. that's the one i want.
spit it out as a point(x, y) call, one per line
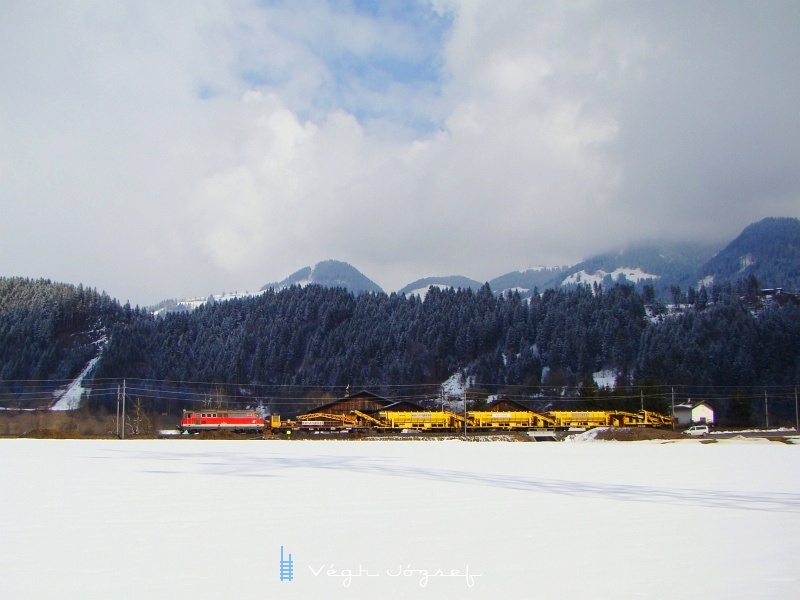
point(183, 148)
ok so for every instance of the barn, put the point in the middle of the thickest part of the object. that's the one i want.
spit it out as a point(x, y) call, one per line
point(339, 412)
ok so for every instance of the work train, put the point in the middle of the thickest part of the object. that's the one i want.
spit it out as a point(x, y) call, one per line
point(195, 421)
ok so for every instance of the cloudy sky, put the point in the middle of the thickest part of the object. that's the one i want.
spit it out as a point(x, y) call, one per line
point(171, 149)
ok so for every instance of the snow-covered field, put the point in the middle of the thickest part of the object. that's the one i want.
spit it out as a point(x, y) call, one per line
point(414, 519)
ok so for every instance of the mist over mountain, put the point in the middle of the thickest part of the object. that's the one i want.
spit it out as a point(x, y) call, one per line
point(661, 265)
point(768, 249)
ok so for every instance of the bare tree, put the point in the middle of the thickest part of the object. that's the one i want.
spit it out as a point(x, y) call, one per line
point(139, 423)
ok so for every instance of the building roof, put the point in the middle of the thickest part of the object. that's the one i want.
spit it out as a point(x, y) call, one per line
point(693, 405)
point(379, 402)
point(517, 406)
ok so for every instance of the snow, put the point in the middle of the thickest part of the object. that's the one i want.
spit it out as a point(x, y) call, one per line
point(454, 386)
point(70, 397)
point(194, 303)
point(453, 391)
point(299, 283)
point(757, 431)
point(745, 261)
point(634, 275)
point(423, 291)
point(186, 518)
point(605, 378)
point(518, 290)
point(706, 282)
point(586, 436)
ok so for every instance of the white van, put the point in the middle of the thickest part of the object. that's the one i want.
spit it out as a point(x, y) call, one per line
point(697, 430)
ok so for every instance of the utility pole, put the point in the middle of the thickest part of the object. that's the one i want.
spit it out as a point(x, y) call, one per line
point(766, 409)
point(118, 393)
point(641, 396)
point(465, 409)
point(673, 409)
point(796, 415)
point(123, 409)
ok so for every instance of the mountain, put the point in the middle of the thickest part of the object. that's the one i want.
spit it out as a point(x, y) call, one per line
point(661, 265)
point(420, 286)
point(329, 273)
point(768, 249)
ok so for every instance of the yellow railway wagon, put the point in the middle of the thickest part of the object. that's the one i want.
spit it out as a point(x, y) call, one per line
point(508, 420)
point(417, 420)
point(580, 419)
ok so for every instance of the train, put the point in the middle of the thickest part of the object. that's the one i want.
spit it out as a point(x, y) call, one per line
point(246, 421)
point(239, 421)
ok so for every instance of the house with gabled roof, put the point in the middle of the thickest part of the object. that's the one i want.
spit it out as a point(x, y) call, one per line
point(694, 412)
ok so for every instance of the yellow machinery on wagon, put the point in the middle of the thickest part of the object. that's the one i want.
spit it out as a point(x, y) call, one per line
point(577, 419)
point(475, 420)
point(508, 420)
point(326, 420)
point(424, 421)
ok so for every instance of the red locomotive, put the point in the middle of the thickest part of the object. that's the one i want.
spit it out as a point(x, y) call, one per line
point(194, 421)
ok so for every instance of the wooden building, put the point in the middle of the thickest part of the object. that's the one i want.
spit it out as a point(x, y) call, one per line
point(365, 402)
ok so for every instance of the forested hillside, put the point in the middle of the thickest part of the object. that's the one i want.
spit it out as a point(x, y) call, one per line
point(716, 344)
point(51, 330)
point(328, 337)
point(725, 345)
point(729, 338)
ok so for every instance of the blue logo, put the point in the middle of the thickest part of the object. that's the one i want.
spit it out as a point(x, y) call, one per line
point(287, 567)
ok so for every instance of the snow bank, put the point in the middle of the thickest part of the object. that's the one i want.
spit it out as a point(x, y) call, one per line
point(760, 431)
point(586, 436)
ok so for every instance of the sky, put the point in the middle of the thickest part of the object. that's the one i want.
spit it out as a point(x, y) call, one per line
point(159, 150)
